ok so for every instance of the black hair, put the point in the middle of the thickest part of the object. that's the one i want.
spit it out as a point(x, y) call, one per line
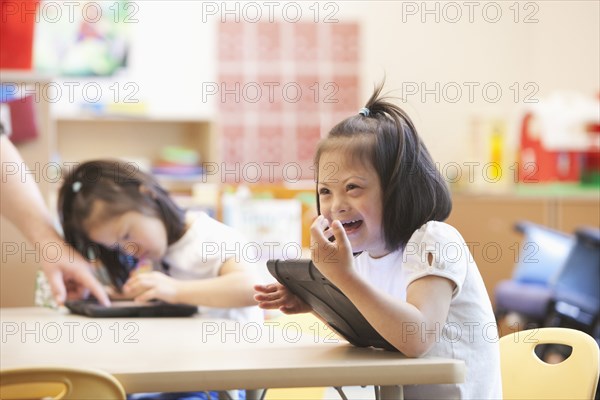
point(413, 190)
point(123, 187)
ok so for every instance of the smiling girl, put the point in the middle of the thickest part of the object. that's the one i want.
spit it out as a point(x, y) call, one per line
point(414, 279)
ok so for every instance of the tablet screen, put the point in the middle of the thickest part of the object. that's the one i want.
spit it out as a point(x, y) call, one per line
point(122, 308)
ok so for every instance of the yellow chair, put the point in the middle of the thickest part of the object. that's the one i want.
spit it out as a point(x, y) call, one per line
point(525, 376)
point(58, 383)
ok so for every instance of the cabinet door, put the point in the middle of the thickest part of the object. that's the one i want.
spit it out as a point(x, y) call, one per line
point(487, 225)
point(573, 213)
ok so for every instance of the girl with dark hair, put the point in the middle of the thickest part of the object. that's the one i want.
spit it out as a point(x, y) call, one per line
point(380, 196)
point(115, 213)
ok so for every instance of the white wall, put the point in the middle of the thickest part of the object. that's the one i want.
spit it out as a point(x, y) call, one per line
point(173, 53)
point(558, 52)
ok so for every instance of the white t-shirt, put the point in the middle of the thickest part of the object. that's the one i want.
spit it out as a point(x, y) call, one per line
point(200, 253)
point(470, 332)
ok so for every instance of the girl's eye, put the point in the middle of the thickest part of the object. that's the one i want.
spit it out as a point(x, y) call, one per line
point(351, 186)
point(323, 191)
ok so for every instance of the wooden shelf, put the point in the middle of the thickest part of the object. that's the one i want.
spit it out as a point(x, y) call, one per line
point(136, 139)
point(24, 76)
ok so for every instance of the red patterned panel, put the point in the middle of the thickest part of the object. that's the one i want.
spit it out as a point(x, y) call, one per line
point(271, 100)
point(306, 42)
point(270, 144)
point(231, 42)
point(311, 93)
point(307, 138)
point(257, 61)
point(344, 39)
point(230, 95)
point(232, 143)
point(345, 91)
point(269, 42)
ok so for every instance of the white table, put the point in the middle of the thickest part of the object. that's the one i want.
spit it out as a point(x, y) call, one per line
point(188, 354)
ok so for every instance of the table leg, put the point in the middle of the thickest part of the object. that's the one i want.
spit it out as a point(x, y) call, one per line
point(256, 394)
point(391, 393)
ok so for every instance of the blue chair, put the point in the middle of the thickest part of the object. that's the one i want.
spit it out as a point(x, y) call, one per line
point(543, 253)
point(576, 294)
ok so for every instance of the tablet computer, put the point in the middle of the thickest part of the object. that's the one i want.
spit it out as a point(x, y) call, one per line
point(122, 309)
point(303, 279)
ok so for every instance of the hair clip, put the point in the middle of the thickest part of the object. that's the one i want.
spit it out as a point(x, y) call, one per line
point(364, 111)
point(76, 186)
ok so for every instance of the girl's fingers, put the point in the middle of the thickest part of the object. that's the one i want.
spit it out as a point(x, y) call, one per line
point(328, 233)
point(340, 236)
point(129, 286)
point(146, 296)
point(271, 305)
point(266, 288)
point(269, 296)
point(317, 233)
point(320, 223)
point(136, 285)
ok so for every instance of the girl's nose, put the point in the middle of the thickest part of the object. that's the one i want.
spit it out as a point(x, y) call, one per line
point(339, 206)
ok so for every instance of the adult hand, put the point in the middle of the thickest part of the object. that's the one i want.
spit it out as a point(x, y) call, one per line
point(70, 276)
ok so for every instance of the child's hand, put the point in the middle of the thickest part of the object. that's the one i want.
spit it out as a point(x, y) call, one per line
point(333, 259)
point(276, 295)
point(113, 294)
point(152, 285)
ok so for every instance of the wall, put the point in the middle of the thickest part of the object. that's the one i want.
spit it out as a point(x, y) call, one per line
point(559, 52)
point(174, 54)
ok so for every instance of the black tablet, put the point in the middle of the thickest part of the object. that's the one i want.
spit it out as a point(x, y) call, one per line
point(303, 279)
point(122, 309)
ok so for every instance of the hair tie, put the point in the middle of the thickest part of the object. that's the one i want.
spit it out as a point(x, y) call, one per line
point(76, 186)
point(364, 111)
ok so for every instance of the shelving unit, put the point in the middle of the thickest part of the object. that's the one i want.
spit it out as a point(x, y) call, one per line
point(84, 138)
point(137, 140)
point(76, 138)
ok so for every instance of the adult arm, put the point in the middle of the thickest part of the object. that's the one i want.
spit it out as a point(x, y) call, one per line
point(22, 204)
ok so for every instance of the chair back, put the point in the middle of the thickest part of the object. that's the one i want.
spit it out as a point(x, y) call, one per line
point(577, 289)
point(542, 254)
point(59, 383)
point(525, 376)
point(541, 257)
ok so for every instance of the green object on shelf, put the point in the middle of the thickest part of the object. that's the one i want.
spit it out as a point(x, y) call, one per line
point(308, 198)
point(590, 179)
point(179, 155)
point(557, 189)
